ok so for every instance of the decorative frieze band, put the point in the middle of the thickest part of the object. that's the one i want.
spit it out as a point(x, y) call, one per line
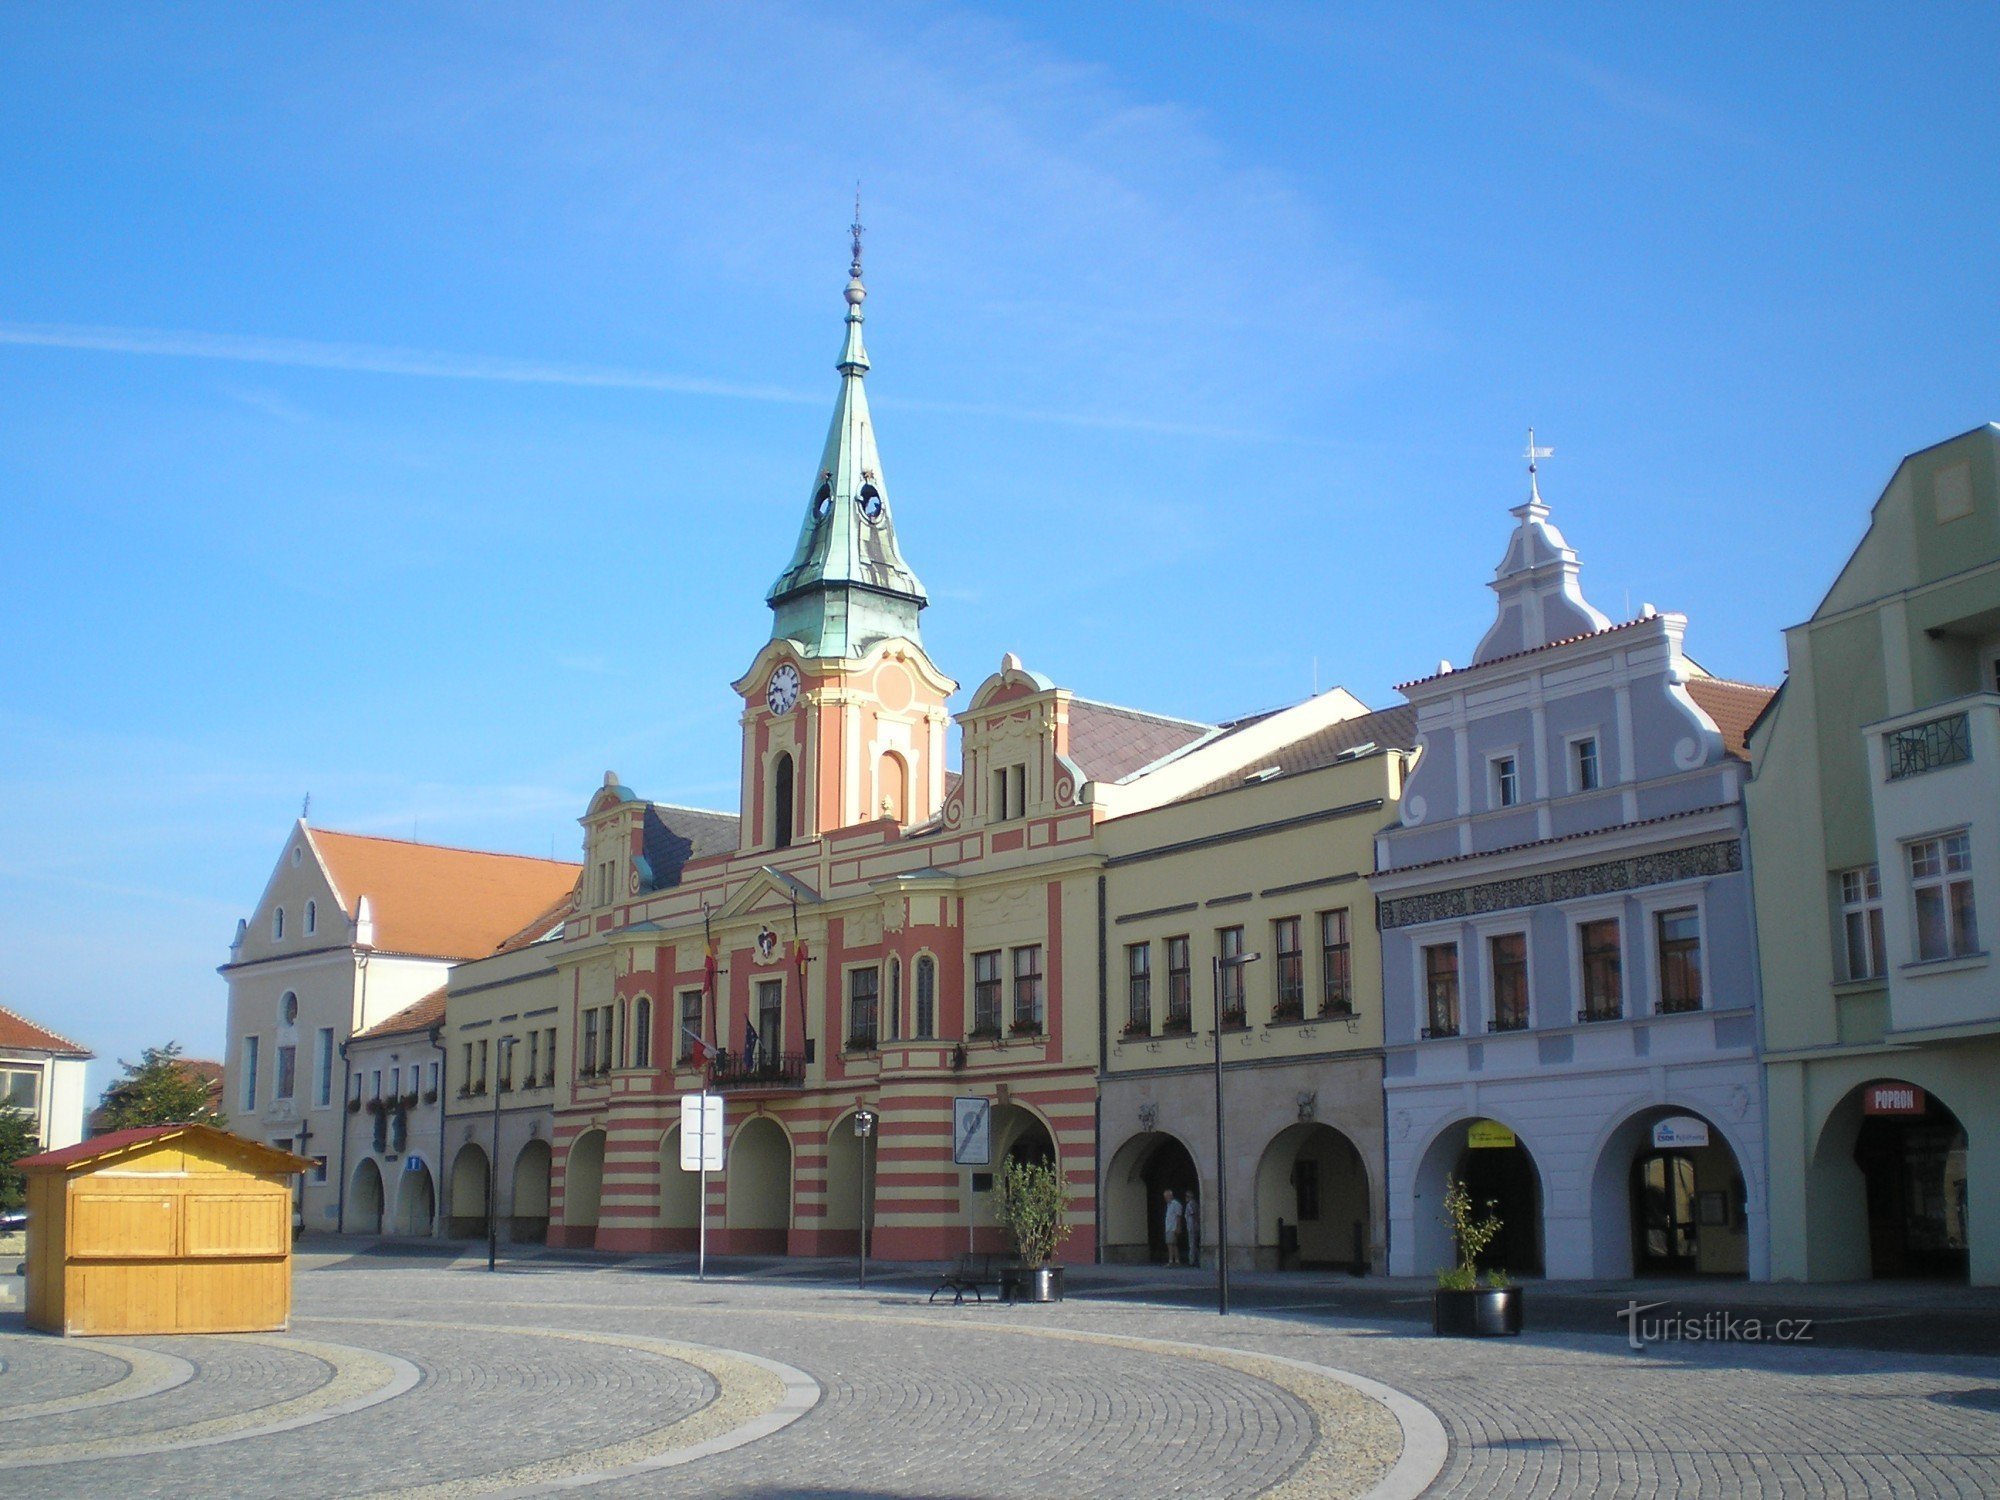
point(1719, 858)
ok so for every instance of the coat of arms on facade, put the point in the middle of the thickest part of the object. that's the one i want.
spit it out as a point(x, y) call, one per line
point(767, 945)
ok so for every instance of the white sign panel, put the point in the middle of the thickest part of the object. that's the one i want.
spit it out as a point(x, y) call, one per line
point(1680, 1130)
point(972, 1132)
point(701, 1132)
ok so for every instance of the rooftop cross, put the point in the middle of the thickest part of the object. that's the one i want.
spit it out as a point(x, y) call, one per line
point(1533, 455)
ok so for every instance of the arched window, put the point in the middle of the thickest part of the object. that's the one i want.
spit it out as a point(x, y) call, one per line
point(642, 1033)
point(624, 1033)
point(312, 918)
point(288, 1009)
point(926, 1020)
point(278, 923)
point(781, 803)
point(895, 999)
point(893, 777)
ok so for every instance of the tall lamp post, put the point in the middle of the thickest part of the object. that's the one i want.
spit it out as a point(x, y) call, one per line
point(502, 1069)
point(864, 1127)
point(1234, 961)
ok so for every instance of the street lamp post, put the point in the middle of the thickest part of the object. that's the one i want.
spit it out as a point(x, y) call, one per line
point(864, 1127)
point(501, 1062)
point(1218, 964)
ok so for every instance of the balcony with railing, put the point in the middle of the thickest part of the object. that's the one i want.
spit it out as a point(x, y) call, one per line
point(759, 1070)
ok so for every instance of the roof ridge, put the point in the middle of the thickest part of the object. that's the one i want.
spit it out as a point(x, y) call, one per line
point(713, 812)
point(1756, 687)
point(1568, 640)
point(384, 838)
point(38, 1026)
point(1143, 713)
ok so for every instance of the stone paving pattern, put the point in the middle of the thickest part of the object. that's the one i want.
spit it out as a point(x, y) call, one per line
point(979, 1401)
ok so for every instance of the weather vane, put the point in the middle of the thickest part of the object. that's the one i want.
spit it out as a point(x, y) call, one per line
point(1534, 455)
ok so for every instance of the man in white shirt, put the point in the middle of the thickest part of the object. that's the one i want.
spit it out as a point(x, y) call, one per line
point(1173, 1227)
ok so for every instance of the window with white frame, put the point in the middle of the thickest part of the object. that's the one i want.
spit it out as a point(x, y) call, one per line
point(1441, 990)
point(1028, 989)
point(323, 1066)
point(926, 998)
point(1677, 935)
point(864, 987)
point(1138, 988)
point(986, 993)
point(1290, 969)
point(21, 1088)
point(1507, 957)
point(1867, 952)
point(1506, 780)
point(250, 1048)
point(1583, 771)
point(1941, 887)
point(1600, 949)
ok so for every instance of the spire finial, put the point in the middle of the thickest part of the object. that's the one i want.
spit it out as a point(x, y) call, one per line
point(1533, 456)
point(856, 229)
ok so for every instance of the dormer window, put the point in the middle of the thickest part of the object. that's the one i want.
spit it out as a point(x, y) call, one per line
point(823, 501)
point(870, 501)
point(1010, 792)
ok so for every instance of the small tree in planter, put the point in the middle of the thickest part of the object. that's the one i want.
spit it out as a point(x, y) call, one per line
point(1461, 1307)
point(1034, 1207)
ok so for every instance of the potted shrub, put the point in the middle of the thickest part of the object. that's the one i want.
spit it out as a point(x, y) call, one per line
point(1463, 1307)
point(1034, 1207)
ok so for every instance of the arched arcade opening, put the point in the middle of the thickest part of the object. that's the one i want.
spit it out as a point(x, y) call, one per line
point(528, 1203)
point(470, 1177)
point(364, 1199)
point(1142, 1172)
point(1312, 1201)
point(1888, 1192)
point(1496, 1167)
point(757, 1210)
point(416, 1199)
point(1668, 1197)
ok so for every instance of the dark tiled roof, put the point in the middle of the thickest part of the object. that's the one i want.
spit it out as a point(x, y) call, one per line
point(17, 1032)
point(1562, 838)
point(1389, 727)
point(675, 835)
point(541, 925)
point(1734, 706)
point(1110, 743)
point(1480, 666)
point(421, 1016)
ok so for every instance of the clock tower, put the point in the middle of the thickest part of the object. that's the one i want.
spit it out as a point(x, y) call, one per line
point(844, 719)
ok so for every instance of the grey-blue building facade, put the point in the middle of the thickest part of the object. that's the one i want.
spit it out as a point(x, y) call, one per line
point(1568, 948)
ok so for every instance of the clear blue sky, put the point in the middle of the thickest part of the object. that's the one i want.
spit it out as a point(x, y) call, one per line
point(410, 405)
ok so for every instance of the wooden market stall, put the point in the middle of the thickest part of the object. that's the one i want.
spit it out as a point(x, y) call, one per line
point(165, 1229)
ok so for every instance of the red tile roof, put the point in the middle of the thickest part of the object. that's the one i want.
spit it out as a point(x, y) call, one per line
point(18, 1033)
point(1734, 706)
point(421, 1016)
point(440, 902)
point(1110, 743)
point(99, 1146)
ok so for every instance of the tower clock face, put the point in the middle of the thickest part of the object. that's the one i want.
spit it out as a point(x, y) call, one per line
point(783, 693)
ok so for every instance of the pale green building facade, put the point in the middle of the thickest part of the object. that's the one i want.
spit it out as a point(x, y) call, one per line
point(1874, 814)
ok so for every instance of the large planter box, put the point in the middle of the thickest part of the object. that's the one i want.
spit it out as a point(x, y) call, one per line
point(1488, 1313)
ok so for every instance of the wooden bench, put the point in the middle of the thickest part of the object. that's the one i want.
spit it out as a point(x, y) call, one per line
point(973, 1272)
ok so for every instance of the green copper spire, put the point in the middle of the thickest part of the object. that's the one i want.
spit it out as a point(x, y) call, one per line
point(847, 585)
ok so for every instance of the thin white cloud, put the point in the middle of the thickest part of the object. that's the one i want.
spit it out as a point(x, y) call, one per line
point(377, 359)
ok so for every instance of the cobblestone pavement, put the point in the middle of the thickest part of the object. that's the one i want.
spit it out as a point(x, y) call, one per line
point(427, 1375)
